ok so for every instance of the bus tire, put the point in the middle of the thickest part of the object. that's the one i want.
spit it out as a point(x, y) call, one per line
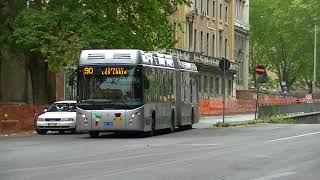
point(153, 124)
point(192, 117)
point(94, 134)
point(172, 124)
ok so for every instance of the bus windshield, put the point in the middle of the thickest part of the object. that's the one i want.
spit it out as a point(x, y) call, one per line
point(114, 86)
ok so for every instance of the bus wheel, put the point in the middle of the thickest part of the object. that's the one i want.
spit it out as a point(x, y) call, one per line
point(172, 124)
point(94, 134)
point(153, 124)
point(192, 117)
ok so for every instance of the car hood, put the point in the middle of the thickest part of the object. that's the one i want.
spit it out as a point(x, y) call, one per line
point(58, 115)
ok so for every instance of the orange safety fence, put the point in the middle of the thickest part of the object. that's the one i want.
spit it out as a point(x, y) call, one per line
point(215, 107)
point(236, 106)
point(20, 117)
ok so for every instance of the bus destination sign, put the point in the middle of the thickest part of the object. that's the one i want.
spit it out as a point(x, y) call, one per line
point(105, 71)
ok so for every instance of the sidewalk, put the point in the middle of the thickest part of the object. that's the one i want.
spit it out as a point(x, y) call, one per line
point(208, 121)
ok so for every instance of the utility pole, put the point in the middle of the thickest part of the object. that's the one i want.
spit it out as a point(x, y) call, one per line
point(314, 62)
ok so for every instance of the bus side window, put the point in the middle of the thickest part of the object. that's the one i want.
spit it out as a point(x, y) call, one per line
point(145, 82)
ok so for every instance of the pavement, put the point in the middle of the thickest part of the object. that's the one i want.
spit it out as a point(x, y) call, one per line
point(208, 121)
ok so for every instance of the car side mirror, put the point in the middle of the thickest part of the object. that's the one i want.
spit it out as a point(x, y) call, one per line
point(45, 110)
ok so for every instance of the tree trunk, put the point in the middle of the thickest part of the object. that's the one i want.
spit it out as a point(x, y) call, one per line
point(38, 71)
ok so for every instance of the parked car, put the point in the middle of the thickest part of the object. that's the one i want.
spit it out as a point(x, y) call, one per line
point(60, 116)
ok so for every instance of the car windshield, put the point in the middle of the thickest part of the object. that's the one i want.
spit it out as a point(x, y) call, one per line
point(116, 90)
point(64, 107)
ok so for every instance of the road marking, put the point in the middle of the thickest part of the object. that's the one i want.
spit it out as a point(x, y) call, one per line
point(159, 145)
point(292, 137)
point(276, 176)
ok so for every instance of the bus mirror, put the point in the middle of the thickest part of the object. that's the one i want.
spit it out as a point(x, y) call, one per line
point(146, 83)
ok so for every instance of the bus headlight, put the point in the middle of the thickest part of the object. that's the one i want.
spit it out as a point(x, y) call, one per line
point(133, 117)
point(40, 119)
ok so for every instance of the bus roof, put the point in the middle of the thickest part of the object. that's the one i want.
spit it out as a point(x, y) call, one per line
point(132, 56)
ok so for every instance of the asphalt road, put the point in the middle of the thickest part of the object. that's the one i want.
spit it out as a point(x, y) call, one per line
point(260, 152)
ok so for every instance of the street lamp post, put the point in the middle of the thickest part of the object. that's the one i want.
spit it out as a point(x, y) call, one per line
point(314, 62)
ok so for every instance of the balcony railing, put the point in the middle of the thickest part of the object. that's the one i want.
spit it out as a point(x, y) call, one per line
point(195, 57)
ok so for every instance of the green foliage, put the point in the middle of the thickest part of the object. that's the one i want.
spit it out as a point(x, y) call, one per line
point(221, 124)
point(281, 120)
point(282, 37)
point(57, 30)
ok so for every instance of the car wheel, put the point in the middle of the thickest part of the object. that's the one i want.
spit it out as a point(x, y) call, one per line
point(73, 131)
point(41, 132)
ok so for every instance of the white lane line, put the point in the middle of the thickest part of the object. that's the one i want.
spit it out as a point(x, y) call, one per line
point(159, 145)
point(292, 137)
point(276, 176)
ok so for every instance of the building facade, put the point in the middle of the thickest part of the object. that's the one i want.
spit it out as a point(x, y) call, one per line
point(205, 33)
point(241, 43)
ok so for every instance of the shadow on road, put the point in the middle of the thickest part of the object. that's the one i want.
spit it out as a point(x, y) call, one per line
point(129, 135)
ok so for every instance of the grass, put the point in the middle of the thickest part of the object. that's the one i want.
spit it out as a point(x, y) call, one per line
point(272, 120)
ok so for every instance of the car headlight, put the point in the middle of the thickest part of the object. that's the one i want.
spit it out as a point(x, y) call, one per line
point(67, 119)
point(40, 119)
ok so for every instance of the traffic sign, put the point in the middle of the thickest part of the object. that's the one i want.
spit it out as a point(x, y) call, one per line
point(260, 70)
point(224, 64)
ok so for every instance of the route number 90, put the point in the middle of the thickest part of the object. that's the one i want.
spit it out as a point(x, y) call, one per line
point(88, 70)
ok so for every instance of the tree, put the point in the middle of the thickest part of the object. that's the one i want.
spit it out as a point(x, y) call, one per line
point(283, 32)
point(52, 33)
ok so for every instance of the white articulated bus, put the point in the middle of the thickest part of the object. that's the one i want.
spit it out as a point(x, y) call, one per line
point(132, 90)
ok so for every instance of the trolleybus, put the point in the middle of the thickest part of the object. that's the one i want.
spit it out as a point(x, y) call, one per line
point(133, 90)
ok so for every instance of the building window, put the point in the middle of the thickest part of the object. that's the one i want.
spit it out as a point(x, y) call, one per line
point(201, 6)
point(237, 9)
point(226, 48)
point(214, 9)
point(175, 29)
point(208, 5)
point(220, 12)
point(207, 48)
point(220, 44)
point(199, 84)
point(205, 84)
point(217, 86)
point(226, 15)
point(201, 42)
point(190, 28)
point(213, 47)
point(195, 41)
point(230, 87)
point(211, 85)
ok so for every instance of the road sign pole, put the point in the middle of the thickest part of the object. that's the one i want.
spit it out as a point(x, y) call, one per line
point(257, 102)
point(224, 65)
point(224, 93)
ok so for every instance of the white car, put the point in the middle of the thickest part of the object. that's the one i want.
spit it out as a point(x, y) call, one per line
point(60, 116)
